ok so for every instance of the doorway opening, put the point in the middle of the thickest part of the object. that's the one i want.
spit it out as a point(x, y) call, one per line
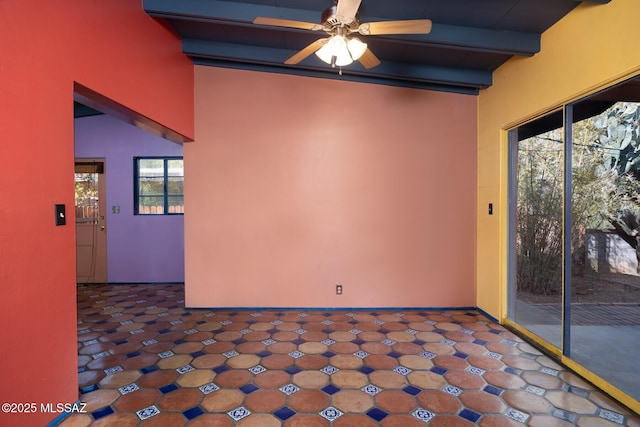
point(90, 208)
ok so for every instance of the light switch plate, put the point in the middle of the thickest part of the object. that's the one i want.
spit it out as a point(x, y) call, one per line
point(61, 215)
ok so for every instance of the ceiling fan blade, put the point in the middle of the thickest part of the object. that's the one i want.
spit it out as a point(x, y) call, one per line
point(368, 59)
point(411, 26)
point(312, 48)
point(347, 9)
point(287, 23)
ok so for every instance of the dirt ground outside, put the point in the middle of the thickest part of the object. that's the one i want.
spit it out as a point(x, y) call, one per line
point(615, 289)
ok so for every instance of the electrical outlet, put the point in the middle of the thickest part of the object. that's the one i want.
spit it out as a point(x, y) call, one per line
point(338, 289)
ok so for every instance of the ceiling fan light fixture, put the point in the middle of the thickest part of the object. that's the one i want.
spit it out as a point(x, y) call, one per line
point(356, 47)
point(340, 51)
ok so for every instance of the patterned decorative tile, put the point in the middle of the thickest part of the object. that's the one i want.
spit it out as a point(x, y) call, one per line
point(184, 369)
point(208, 388)
point(516, 415)
point(452, 390)
point(371, 389)
point(329, 370)
point(423, 414)
point(475, 371)
point(535, 390)
point(147, 412)
point(113, 370)
point(549, 371)
point(402, 370)
point(296, 354)
point(239, 413)
point(128, 388)
point(101, 355)
point(257, 369)
point(331, 413)
point(611, 416)
point(166, 354)
point(289, 389)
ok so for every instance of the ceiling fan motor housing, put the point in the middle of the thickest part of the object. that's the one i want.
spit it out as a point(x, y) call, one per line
point(331, 21)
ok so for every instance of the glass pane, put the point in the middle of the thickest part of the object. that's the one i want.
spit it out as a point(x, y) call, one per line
point(151, 205)
point(175, 185)
point(151, 167)
point(176, 204)
point(151, 186)
point(175, 167)
point(86, 199)
point(605, 279)
point(536, 296)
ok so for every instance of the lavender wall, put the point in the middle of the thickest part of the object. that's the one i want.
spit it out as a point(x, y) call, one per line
point(140, 248)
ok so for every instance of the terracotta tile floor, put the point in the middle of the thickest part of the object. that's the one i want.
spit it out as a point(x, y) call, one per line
point(145, 360)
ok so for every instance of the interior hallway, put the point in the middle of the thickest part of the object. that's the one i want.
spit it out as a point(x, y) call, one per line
point(146, 360)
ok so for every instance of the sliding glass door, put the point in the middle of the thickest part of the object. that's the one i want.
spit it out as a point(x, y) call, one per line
point(537, 171)
point(575, 233)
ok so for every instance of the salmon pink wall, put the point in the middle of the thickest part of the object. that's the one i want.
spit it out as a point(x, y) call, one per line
point(115, 49)
point(295, 184)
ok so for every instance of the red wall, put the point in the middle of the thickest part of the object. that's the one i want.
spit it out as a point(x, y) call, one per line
point(115, 49)
point(296, 184)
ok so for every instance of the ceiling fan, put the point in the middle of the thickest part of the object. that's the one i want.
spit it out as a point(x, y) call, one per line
point(340, 22)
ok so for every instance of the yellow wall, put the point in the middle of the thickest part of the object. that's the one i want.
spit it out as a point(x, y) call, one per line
point(592, 47)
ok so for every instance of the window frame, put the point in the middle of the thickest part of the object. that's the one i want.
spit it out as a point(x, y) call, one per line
point(166, 176)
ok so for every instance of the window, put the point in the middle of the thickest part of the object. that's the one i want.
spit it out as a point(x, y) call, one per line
point(159, 186)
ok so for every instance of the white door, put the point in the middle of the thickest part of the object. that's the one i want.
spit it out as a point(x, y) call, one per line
point(91, 235)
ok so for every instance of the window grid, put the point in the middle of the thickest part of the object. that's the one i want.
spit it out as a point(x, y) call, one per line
point(159, 186)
